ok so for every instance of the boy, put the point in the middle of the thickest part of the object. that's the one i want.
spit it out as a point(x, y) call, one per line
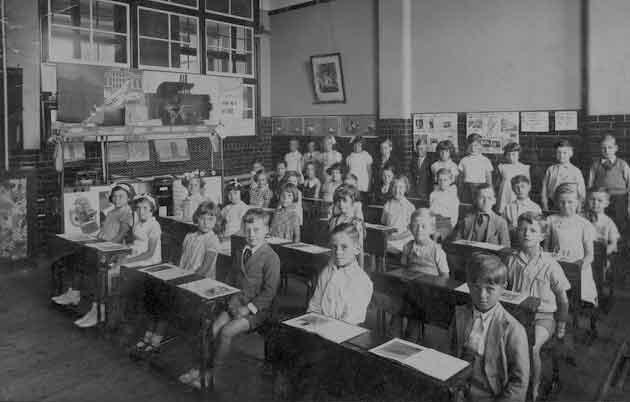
point(483, 224)
point(384, 161)
point(475, 169)
point(343, 290)
point(257, 274)
point(521, 186)
point(420, 170)
point(488, 336)
point(613, 174)
point(562, 172)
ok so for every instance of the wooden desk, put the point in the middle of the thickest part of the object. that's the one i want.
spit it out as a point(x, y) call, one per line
point(382, 378)
point(63, 249)
point(376, 244)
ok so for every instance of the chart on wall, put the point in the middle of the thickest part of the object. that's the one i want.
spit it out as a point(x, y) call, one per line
point(497, 129)
point(81, 212)
point(432, 128)
point(13, 222)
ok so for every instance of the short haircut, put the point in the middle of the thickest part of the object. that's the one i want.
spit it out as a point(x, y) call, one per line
point(233, 186)
point(281, 162)
point(424, 213)
point(292, 189)
point(357, 140)
point(258, 174)
point(294, 140)
point(256, 214)
point(346, 191)
point(519, 178)
point(599, 190)
point(481, 187)
point(335, 166)
point(444, 172)
point(389, 166)
point(348, 228)
point(330, 138)
point(563, 144)
point(351, 175)
point(205, 208)
point(402, 179)
point(609, 138)
point(291, 173)
point(445, 145)
point(511, 147)
point(421, 141)
point(472, 138)
point(532, 217)
point(153, 203)
point(387, 141)
point(566, 188)
point(486, 268)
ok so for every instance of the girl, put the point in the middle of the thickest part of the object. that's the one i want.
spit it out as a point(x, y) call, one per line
point(293, 158)
point(359, 162)
point(382, 194)
point(398, 210)
point(199, 252)
point(232, 213)
point(329, 157)
point(279, 177)
point(350, 179)
point(286, 221)
point(475, 169)
point(333, 181)
point(311, 185)
point(260, 195)
point(533, 272)
point(571, 238)
point(443, 200)
point(445, 150)
point(507, 171)
point(344, 210)
point(195, 186)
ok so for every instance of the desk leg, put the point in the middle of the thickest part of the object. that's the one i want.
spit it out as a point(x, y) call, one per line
point(102, 289)
point(207, 350)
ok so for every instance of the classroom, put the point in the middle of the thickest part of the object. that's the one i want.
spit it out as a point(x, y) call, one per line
point(314, 200)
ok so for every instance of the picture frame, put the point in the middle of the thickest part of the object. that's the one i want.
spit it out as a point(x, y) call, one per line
point(327, 78)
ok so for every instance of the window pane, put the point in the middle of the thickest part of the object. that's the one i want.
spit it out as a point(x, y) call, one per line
point(184, 58)
point(153, 24)
point(189, 3)
point(218, 61)
point(248, 102)
point(242, 63)
point(217, 35)
point(154, 53)
point(242, 8)
point(69, 44)
point(184, 29)
point(71, 12)
point(110, 48)
point(219, 6)
point(109, 17)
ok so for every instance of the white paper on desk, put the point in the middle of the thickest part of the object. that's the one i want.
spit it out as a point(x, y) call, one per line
point(377, 226)
point(78, 237)
point(478, 244)
point(309, 248)
point(209, 288)
point(277, 240)
point(165, 272)
point(108, 246)
point(507, 296)
point(436, 364)
point(326, 327)
point(396, 246)
point(397, 349)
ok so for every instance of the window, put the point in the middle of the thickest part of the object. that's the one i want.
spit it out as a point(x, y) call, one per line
point(249, 109)
point(182, 3)
point(235, 8)
point(168, 40)
point(89, 31)
point(229, 49)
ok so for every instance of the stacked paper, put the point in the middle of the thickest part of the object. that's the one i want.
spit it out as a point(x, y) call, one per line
point(326, 327)
point(165, 272)
point(209, 288)
point(108, 246)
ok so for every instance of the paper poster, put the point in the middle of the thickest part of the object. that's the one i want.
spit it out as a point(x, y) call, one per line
point(535, 122)
point(13, 223)
point(174, 150)
point(566, 120)
point(497, 129)
point(81, 212)
point(138, 151)
point(73, 151)
point(435, 127)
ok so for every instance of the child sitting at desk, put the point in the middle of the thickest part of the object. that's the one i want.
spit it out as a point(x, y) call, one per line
point(512, 210)
point(398, 210)
point(286, 221)
point(382, 193)
point(278, 179)
point(489, 337)
point(343, 290)
point(605, 229)
point(483, 225)
point(260, 194)
point(199, 253)
point(194, 184)
point(344, 210)
point(443, 200)
point(571, 238)
point(350, 179)
point(311, 186)
point(333, 181)
point(232, 214)
point(115, 228)
point(536, 273)
point(562, 172)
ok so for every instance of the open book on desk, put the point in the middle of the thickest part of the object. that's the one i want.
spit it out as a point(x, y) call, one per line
point(165, 272)
point(428, 361)
point(507, 296)
point(108, 246)
point(326, 327)
point(209, 288)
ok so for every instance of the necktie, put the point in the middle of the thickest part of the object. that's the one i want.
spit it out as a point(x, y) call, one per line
point(475, 339)
point(607, 164)
point(246, 255)
point(480, 219)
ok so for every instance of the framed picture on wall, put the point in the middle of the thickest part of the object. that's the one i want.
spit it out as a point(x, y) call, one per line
point(328, 78)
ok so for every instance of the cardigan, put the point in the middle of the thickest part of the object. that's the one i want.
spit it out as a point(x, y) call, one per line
point(497, 230)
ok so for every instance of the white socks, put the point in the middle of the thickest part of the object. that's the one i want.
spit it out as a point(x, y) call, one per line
point(71, 297)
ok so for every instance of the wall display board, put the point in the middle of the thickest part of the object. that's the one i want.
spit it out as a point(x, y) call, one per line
point(81, 212)
point(435, 127)
point(497, 129)
point(535, 122)
point(13, 219)
point(566, 120)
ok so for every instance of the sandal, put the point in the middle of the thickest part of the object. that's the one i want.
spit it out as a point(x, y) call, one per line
point(145, 341)
point(154, 344)
point(189, 376)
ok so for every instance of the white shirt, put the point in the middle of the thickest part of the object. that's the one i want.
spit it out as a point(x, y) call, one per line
point(142, 233)
point(294, 161)
point(486, 319)
point(514, 209)
point(359, 164)
point(342, 293)
point(397, 213)
point(474, 168)
point(233, 214)
point(562, 173)
point(445, 203)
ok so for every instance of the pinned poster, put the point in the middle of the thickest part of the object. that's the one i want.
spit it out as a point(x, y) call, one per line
point(535, 122)
point(566, 120)
point(497, 129)
point(435, 127)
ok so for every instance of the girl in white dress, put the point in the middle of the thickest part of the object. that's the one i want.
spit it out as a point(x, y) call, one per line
point(512, 168)
point(329, 156)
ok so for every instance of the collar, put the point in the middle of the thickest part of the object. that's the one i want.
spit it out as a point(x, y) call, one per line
point(417, 248)
point(350, 266)
point(247, 247)
point(564, 165)
point(485, 317)
point(612, 161)
point(526, 259)
point(522, 202)
point(489, 213)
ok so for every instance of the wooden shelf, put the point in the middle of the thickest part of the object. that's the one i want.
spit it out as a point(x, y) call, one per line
point(81, 133)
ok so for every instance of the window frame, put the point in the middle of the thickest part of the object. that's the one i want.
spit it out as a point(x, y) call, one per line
point(54, 59)
point(171, 3)
point(253, 108)
point(231, 49)
point(229, 14)
point(169, 41)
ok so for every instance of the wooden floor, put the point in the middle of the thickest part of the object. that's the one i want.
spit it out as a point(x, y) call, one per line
point(43, 357)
